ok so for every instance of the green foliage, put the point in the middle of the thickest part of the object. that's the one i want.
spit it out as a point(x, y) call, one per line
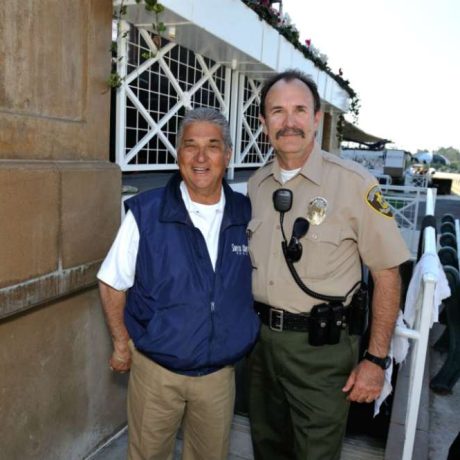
point(340, 127)
point(289, 31)
point(455, 166)
point(152, 6)
point(114, 80)
point(147, 55)
point(450, 153)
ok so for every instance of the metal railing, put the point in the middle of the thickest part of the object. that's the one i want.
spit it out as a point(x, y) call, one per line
point(405, 204)
point(420, 333)
point(417, 180)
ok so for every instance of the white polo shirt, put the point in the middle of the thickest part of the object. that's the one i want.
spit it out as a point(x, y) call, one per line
point(119, 266)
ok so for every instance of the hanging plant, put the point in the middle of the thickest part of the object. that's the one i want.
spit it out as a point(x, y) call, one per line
point(153, 7)
point(284, 26)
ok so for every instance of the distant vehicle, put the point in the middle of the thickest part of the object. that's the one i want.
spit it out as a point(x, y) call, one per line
point(423, 157)
point(419, 175)
point(431, 158)
point(395, 164)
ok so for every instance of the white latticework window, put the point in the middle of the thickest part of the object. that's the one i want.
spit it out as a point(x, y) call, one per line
point(253, 144)
point(160, 81)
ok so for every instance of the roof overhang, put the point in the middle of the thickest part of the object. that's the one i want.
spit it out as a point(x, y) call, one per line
point(352, 133)
point(229, 32)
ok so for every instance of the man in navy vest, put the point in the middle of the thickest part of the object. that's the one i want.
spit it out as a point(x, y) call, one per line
point(176, 292)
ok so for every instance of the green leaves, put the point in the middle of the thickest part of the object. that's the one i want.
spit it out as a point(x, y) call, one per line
point(152, 6)
point(114, 80)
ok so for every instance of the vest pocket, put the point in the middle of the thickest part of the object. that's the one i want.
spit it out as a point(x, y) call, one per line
point(177, 336)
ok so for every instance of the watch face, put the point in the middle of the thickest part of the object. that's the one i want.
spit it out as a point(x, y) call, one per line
point(387, 362)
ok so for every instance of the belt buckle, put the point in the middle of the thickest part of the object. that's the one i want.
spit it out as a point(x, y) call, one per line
point(276, 319)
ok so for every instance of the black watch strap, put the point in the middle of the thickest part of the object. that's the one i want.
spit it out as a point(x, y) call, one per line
point(384, 363)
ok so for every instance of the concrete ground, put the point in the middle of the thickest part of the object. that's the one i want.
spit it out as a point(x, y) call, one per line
point(444, 424)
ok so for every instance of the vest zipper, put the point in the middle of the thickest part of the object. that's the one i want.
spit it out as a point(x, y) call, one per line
point(211, 336)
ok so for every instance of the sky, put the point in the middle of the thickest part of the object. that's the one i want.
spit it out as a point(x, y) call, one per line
point(402, 57)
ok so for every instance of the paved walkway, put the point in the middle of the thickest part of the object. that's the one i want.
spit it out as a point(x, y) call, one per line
point(444, 424)
point(355, 448)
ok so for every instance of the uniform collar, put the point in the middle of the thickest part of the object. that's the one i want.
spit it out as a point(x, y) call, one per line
point(312, 168)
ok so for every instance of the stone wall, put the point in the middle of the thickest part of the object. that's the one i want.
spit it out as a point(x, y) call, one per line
point(59, 208)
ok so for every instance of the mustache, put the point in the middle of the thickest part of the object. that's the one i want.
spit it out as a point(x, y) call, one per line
point(290, 132)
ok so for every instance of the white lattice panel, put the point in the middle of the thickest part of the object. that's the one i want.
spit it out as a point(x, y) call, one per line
point(160, 81)
point(252, 145)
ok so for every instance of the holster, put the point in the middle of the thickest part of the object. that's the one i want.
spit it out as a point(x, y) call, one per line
point(358, 312)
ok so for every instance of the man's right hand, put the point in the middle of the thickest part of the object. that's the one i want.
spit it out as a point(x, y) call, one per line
point(120, 361)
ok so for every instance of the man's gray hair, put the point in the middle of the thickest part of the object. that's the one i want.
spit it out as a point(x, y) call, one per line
point(208, 115)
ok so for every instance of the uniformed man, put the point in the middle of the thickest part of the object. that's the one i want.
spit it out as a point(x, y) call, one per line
point(299, 392)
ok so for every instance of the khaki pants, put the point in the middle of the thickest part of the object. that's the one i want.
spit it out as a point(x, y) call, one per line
point(159, 400)
point(296, 405)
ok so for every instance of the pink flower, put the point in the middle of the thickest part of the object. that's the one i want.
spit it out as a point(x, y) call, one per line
point(308, 42)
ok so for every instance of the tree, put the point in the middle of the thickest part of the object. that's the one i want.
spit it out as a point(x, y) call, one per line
point(452, 154)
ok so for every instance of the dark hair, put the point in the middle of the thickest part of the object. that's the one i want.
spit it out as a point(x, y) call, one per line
point(289, 75)
point(209, 115)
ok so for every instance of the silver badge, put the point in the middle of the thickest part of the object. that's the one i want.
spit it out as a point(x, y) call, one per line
point(316, 211)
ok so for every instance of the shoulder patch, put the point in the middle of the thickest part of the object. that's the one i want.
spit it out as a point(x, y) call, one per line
point(377, 202)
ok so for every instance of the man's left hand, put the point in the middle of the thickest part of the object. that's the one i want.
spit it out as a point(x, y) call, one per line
point(365, 382)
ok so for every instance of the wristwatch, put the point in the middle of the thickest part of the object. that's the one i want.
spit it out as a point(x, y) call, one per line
point(384, 363)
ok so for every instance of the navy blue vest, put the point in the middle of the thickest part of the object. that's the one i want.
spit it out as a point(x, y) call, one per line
point(180, 312)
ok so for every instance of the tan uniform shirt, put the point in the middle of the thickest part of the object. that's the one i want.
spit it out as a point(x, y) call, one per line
point(357, 223)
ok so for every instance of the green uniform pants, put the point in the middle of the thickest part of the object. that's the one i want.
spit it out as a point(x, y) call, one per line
point(296, 405)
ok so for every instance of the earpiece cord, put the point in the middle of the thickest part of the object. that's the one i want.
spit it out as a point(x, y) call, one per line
point(299, 281)
point(282, 228)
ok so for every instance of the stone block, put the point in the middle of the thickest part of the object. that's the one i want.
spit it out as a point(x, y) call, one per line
point(29, 197)
point(58, 398)
point(90, 210)
point(54, 102)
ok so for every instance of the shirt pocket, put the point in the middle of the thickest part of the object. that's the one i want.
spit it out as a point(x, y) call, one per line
point(254, 240)
point(320, 251)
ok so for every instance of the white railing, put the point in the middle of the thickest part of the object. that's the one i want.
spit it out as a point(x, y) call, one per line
point(416, 180)
point(419, 334)
point(384, 179)
point(405, 204)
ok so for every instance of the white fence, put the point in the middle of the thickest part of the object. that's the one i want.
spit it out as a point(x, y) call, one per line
point(405, 202)
point(419, 334)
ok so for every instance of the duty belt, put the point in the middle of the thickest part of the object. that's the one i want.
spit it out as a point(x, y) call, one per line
point(279, 320)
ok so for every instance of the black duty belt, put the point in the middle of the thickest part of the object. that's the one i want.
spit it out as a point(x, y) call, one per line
point(278, 319)
point(282, 320)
